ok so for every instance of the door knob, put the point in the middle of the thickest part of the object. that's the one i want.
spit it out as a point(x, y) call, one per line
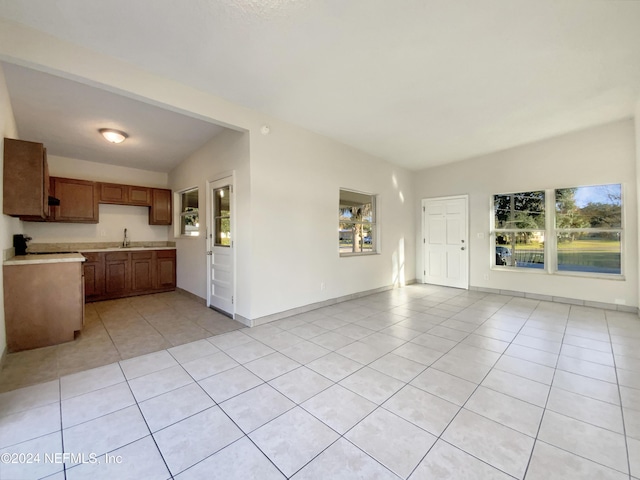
point(461, 248)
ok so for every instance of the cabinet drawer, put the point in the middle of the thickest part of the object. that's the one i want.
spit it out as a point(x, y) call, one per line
point(166, 253)
point(142, 255)
point(93, 257)
point(116, 256)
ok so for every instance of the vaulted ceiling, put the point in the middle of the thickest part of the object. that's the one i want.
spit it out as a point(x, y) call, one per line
point(417, 82)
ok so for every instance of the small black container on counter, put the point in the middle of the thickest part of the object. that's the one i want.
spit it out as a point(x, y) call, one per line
point(20, 244)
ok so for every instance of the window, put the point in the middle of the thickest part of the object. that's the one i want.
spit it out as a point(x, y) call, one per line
point(583, 233)
point(222, 217)
point(589, 229)
point(519, 229)
point(357, 223)
point(189, 222)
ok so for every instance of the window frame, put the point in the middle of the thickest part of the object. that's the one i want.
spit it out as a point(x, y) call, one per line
point(515, 231)
point(374, 223)
point(181, 215)
point(550, 238)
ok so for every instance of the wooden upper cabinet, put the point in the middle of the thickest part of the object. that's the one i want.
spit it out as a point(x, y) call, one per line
point(139, 196)
point(118, 194)
point(160, 211)
point(26, 175)
point(113, 193)
point(78, 201)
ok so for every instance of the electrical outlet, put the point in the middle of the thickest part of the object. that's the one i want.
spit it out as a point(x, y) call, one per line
point(486, 276)
point(103, 232)
point(480, 235)
point(322, 286)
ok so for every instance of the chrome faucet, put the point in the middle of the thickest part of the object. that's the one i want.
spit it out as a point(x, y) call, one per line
point(125, 242)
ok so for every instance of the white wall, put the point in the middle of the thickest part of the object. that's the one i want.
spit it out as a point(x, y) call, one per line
point(293, 235)
point(101, 172)
point(637, 141)
point(295, 187)
point(8, 225)
point(226, 152)
point(286, 235)
point(600, 155)
point(113, 218)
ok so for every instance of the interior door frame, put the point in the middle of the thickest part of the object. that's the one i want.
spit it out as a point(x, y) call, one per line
point(231, 177)
point(424, 203)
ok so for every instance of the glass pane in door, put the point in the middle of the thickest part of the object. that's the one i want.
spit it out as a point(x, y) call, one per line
point(222, 217)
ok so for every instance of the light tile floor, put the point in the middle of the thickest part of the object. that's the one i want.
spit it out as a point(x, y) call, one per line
point(422, 382)
point(115, 330)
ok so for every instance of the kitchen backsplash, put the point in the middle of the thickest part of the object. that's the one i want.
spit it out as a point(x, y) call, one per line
point(79, 246)
point(8, 253)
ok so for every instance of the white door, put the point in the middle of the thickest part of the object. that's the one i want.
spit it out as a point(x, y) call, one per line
point(446, 246)
point(221, 259)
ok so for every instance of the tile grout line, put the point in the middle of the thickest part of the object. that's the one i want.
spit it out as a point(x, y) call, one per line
point(544, 410)
point(624, 426)
point(406, 383)
point(342, 436)
point(64, 465)
point(439, 437)
point(146, 423)
point(378, 406)
point(216, 404)
point(370, 413)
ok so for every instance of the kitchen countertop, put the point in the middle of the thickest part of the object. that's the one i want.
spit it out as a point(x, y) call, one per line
point(122, 249)
point(90, 247)
point(47, 258)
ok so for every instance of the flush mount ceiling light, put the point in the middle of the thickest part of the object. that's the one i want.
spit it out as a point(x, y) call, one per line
point(113, 136)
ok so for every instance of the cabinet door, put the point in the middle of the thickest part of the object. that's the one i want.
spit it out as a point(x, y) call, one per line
point(93, 275)
point(166, 269)
point(25, 179)
point(113, 193)
point(78, 201)
point(160, 211)
point(139, 196)
point(142, 271)
point(117, 273)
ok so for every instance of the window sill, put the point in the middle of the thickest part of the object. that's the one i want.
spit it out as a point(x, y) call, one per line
point(363, 254)
point(596, 276)
point(599, 276)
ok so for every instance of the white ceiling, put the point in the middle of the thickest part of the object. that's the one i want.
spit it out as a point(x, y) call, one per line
point(65, 116)
point(417, 82)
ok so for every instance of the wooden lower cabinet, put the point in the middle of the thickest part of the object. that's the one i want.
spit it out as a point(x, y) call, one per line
point(117, 279)
point(43, 304)
point(111, 275)
point(166, 269)
point(142, 271)
point(94, 275)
